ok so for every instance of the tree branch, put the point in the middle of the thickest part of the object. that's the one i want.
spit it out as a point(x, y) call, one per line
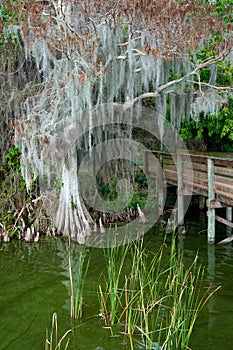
point(163, 87)
point(220, 88)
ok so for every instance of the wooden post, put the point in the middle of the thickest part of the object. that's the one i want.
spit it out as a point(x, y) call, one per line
point(180, 190)
point(211, 196)
point(229, 218)
point(160, 188)
point(160, 184)
point(229, 213)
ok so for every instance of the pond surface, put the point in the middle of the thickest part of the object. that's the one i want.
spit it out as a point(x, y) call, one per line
point(34, 284)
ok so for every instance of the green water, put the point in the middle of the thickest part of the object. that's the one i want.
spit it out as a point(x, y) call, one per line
point(34, 284)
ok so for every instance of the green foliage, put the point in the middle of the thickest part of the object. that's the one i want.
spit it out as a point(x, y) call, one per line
point(13, 161)
point(6, 15)
point(212, 129)
point(16, 205)
point(108, 189)
point(227, 115)
point(13, 190)
point(141, 178)
point(224, 68)
point(11, 12)
point(9, 39)
point(225, 74)
point(224, 9)
point(10, 50)
point(73, 205)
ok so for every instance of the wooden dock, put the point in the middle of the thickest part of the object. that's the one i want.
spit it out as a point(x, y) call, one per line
point(208, 176)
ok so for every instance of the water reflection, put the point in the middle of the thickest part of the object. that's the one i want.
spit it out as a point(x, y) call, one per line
point(35, 283)
point(213, 327)
point(31, 290)
point(211, 262)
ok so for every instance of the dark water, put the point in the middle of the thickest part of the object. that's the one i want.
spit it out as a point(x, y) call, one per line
point(34, 284)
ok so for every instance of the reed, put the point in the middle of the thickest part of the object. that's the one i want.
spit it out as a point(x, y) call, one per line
point(141, 297)
point(77, 288)
point(175, 306)
point(129, 315)
point(186, 299)
point(110, 298)
point(52, 341)
point(157, 299)
point(152, 295)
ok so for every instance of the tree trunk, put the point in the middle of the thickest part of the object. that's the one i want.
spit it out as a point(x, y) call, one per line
point(72, 219)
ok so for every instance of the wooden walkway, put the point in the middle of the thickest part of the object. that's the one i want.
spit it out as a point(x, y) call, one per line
point(208, 176)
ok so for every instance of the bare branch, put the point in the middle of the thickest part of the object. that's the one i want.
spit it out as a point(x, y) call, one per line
point(163, 87)
point(220, 88)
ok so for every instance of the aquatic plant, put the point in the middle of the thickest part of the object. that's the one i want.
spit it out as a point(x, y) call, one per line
point(157, 299)
point(76, 298)
point(52, 341)
point(185, 299)
point(115, 259)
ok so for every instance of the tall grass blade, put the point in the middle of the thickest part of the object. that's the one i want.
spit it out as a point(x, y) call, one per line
point(52, 342)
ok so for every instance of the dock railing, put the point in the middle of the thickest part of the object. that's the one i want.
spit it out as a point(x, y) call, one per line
point(206, 175)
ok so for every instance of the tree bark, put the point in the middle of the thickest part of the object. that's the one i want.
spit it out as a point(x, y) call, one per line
point(71, 218)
